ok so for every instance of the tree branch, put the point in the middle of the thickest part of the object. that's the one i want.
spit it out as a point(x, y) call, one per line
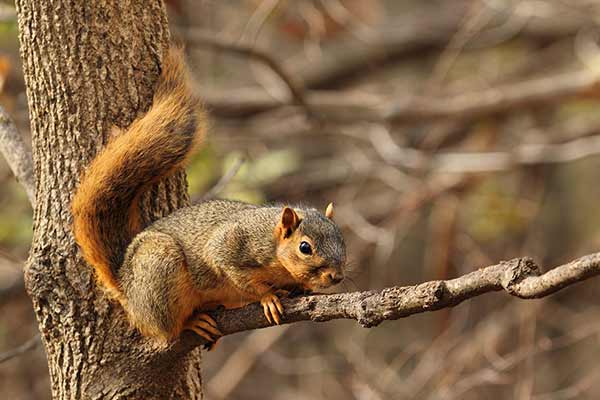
point(500, 99)
point(22, 349)
point(349, 107)
point(416, 35)
point(17, 155)
point(465, 162)
point(202, 38)
point(224, 181)
point(519, 277)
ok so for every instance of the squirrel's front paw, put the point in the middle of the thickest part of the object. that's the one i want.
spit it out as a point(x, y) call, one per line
point(203, 325)
point(272, 308)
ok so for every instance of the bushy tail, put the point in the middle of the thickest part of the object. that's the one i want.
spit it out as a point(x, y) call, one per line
point(105, 206)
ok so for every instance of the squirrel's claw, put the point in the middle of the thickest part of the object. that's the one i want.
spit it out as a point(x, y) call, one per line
point(272, 308)
point(207, 318)
point(204, 326)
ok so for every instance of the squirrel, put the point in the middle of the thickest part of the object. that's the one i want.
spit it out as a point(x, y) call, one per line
point(218, 253)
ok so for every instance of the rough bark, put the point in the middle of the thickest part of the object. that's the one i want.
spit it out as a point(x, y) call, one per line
point(89, 65)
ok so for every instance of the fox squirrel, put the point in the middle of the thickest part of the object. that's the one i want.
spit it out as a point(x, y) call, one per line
point(217, 253)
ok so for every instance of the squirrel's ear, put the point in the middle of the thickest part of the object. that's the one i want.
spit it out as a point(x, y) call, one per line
point(329, 211)
point(289, 221)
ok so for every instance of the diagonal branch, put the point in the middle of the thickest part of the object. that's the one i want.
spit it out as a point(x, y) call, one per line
point(224, 181)
point(30, 344)
point(465, 162)
point(519, 277)
point(16, 154)
point(202, 38)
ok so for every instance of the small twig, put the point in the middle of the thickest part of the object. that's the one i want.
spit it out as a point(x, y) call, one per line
point(24, 348)
point(224, 181)
point(258, 18)
point(475, 19)
point(17, 155)
point(202, 38)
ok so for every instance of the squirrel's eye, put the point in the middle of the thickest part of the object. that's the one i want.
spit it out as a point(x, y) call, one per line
point(305, 248)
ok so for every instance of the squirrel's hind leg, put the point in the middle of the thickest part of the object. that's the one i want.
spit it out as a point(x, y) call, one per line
point(156, 282)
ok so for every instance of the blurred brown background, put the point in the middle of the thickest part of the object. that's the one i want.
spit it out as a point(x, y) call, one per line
point(450, 135)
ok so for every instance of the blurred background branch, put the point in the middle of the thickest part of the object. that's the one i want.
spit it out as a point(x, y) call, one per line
point(17, 155)
point(25, 347)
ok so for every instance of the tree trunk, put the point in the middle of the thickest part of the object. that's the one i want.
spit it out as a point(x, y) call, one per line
point(89, 65)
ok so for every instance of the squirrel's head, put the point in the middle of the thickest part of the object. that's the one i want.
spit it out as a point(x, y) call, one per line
point(311, 247)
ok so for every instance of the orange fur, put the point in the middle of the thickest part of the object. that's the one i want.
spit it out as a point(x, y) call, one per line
point(186, 298)
point(105, 206)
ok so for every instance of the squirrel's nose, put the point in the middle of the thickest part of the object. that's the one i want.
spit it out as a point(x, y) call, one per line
point(336, 277)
